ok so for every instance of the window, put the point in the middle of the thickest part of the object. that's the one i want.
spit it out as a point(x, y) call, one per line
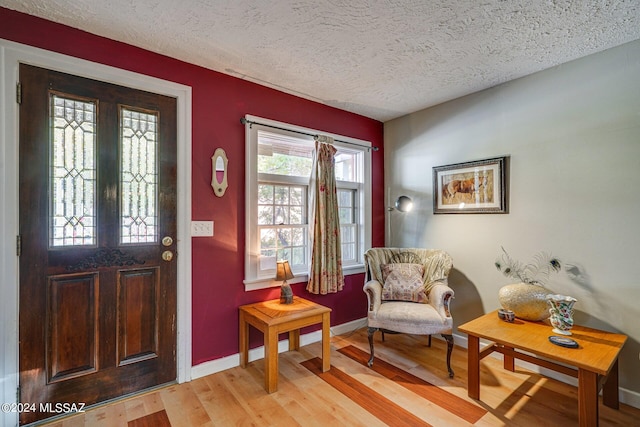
point(278, 165)
point(348, 225)
point(72, 172)
point(138, 176)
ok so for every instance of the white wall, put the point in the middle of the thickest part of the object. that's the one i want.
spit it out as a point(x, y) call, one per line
point(573, 136)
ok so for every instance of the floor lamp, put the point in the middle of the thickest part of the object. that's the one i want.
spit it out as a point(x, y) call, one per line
point(403, 204)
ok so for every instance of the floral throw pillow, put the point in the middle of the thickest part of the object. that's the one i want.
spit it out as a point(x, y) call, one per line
point(403, 282)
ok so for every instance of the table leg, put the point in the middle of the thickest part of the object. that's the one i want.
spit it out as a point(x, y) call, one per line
point(326, 343)
point(244, 340)
point(294, 340)
point(473, 367)
point(271, 360)
point(587, 398)
point(509, 361)
point(610, 388)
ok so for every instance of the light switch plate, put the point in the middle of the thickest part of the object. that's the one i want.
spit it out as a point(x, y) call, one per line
point(201, 228)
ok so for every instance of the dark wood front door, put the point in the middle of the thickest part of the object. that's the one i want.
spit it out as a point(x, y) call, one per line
point(97, 241)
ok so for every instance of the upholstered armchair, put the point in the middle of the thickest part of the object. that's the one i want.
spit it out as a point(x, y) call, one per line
point(408, 293)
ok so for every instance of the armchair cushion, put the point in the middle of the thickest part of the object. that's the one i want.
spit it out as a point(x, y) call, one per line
point(403, 282)
point(410, 318)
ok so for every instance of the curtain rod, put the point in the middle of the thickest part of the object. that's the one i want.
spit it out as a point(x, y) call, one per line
point(245, 121)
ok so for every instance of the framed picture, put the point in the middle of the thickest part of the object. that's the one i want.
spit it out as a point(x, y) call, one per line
point(472, 187)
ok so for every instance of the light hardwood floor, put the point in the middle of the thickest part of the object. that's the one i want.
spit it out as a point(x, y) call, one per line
point(236, 397)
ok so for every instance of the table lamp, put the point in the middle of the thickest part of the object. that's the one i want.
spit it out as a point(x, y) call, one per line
point(283, 272)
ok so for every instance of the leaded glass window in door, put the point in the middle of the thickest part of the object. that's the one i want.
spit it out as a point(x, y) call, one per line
point(72, 171)
point(138, 176)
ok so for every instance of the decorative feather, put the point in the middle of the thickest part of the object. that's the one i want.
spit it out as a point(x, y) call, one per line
point(535, 273)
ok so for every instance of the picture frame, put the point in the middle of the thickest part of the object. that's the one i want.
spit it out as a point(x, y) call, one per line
point(471, 187)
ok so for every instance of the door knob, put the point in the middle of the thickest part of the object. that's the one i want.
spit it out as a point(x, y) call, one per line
point(167, 255)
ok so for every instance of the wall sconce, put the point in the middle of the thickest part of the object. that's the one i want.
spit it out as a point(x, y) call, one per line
point(283, 272)
point(219, 163)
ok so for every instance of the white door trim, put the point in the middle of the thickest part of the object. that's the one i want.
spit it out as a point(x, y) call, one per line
point(11, 55)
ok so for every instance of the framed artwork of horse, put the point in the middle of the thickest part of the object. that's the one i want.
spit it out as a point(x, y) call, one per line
point(472, 187)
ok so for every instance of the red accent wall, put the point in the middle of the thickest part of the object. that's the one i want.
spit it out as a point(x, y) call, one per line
point(219, 101)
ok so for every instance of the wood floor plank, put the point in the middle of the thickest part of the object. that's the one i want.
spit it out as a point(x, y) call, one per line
point(464, 409)
point(383, 408)
point(221, 403)
point(248, 387)
point(135, 409)
point(183, 407)
point(291, 398)
point(74, 421)
point(152, 402)
point(157, 419)
point(423, 409)
point(69, 421)
point(324, 404)
point(112, 415)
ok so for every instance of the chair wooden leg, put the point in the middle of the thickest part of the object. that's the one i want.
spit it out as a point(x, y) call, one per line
point(429, 344)
point(370, 332)
point(449, 339)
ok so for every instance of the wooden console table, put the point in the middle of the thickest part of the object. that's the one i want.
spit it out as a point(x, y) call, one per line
point(272, 319)
point(596, 359)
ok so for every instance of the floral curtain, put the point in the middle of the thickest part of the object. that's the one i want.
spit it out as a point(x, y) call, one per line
point(325, 274)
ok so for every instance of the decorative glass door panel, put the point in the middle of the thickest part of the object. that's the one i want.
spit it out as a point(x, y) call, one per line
point(138, 176)
point(72, 171)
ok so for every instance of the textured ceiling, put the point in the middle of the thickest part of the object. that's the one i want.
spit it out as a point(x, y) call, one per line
point(378, 58)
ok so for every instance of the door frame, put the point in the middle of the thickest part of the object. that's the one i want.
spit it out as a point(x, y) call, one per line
point(11, 55)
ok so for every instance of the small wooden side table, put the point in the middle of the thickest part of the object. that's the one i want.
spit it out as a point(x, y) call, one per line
point(272, 319)
point(595, 360)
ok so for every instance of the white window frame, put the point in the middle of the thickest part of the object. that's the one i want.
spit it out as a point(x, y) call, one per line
point(357, 213)
point(252, 280)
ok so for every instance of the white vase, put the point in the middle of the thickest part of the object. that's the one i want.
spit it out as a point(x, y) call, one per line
point(527, 301)
point(561, 310)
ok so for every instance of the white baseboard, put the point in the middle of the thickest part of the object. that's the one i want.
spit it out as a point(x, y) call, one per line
point(627, 397)
point(349, 326)
point(208, 368)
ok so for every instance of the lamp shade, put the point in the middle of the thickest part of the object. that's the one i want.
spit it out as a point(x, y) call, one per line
point(283, 271)
point(404, 204)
